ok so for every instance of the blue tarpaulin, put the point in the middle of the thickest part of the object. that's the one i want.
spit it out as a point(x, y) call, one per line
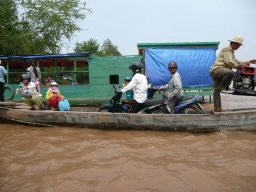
point(193, 65)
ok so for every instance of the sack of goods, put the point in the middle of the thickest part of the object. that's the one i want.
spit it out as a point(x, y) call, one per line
point(64, 105)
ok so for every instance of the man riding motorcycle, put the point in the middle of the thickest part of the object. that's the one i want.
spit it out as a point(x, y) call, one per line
point(173, 90)
point(139, 85)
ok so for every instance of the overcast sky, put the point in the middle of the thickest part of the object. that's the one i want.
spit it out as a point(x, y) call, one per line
point(128, 22)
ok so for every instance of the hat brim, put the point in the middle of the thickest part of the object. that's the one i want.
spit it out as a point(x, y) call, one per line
point(235, 42)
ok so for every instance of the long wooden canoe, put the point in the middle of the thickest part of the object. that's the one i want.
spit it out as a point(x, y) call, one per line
point(229, 120)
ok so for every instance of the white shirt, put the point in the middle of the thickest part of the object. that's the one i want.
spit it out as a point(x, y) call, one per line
point(139, 85)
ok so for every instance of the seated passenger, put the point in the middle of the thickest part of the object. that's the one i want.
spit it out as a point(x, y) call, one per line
point(53, 96)
point(129, 93)
point(173, 89)
point(28, 91)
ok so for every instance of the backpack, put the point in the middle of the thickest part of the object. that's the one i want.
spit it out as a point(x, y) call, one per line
point(64, 105)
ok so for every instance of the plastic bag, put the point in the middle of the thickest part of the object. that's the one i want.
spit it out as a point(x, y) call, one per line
point(64, 105)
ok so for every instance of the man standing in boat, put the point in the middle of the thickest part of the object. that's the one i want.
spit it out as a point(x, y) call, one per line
point(221, 71)
point(139, 85)
point(3, 74)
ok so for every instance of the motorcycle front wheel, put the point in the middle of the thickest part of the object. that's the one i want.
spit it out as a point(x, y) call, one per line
point(157, 112)
point(192, 110)
point(103, 110)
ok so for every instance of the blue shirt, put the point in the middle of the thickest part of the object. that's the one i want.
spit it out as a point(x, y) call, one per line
point(3, 73)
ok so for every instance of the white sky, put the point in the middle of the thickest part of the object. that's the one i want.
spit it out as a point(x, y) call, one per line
point(128, 22)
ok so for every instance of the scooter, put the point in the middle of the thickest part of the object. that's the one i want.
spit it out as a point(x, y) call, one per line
point(244, 81)
point(185, 105)
point(115, 105)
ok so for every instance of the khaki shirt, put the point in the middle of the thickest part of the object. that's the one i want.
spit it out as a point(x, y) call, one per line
point(226, 59)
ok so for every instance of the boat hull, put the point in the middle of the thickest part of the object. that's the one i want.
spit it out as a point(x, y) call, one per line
point(233, 120)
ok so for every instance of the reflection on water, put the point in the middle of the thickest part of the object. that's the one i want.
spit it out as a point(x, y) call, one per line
point(73, 159)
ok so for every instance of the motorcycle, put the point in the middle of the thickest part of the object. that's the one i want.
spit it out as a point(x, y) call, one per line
point(185, 105)
point(244, 81)
point(115, 105)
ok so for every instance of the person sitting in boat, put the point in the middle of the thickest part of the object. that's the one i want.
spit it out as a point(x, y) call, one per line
point(30, 96)
point(139, 85)
point(173, 90)
point(53, 96)
point(129, 93)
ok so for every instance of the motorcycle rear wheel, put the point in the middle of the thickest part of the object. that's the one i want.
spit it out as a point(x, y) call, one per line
point(192, 110)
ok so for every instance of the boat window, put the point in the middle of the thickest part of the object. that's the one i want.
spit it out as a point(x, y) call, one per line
point(64, 71)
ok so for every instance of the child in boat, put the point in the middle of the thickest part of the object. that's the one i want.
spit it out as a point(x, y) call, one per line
point(53, 96)
point(30, 96)
point(129, 94)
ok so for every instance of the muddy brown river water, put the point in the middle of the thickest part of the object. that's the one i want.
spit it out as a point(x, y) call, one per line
point(80, 160)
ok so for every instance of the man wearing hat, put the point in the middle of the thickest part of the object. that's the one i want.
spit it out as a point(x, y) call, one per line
point(221, 71)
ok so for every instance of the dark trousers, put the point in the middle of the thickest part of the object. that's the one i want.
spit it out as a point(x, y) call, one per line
point(221, 78)
point(136, 107)
point(2, 91)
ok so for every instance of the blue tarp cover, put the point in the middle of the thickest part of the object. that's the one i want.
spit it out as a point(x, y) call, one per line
point(193, 65)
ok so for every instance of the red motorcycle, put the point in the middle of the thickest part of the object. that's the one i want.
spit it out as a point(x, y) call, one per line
point(244, 81)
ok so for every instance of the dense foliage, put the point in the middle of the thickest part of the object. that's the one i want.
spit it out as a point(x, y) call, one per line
point(37, 26)
point(92, 46)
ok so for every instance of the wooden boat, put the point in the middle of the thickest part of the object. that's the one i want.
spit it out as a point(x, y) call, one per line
point(243, 119)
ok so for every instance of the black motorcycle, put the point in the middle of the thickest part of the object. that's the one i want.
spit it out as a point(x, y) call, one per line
point(115, 105)
point(185, 105)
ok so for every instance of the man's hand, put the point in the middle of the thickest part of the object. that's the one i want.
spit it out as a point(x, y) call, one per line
point(118, 91)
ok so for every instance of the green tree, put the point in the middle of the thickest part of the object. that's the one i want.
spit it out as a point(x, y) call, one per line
point(38, 27)
point(108, 49)
point(9, 24)
point(52, 21)
point(91, 46)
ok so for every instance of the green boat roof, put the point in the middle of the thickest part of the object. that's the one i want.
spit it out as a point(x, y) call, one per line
point(179, 44)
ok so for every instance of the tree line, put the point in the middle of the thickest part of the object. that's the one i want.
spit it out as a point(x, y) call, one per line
point(40, 27)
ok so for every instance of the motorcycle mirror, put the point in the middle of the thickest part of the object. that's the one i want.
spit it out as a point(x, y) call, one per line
point(113, 79)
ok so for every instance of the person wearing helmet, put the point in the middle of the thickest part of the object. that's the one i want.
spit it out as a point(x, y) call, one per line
point(53, 96)
point(129, 94)
point(173, 90)
point(27, 90)
point(221, 71)
point(139, 85)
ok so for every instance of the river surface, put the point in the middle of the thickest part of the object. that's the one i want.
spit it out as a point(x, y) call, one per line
point(34, 159)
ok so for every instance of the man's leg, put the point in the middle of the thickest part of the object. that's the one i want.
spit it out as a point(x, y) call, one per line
point(2, 91)
point(171, 103)
point(217, 76)
point(223, 77)
point(135, 107)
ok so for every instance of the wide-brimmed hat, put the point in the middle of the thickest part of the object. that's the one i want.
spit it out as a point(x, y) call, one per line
point(238, 39)
point(54, 83)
